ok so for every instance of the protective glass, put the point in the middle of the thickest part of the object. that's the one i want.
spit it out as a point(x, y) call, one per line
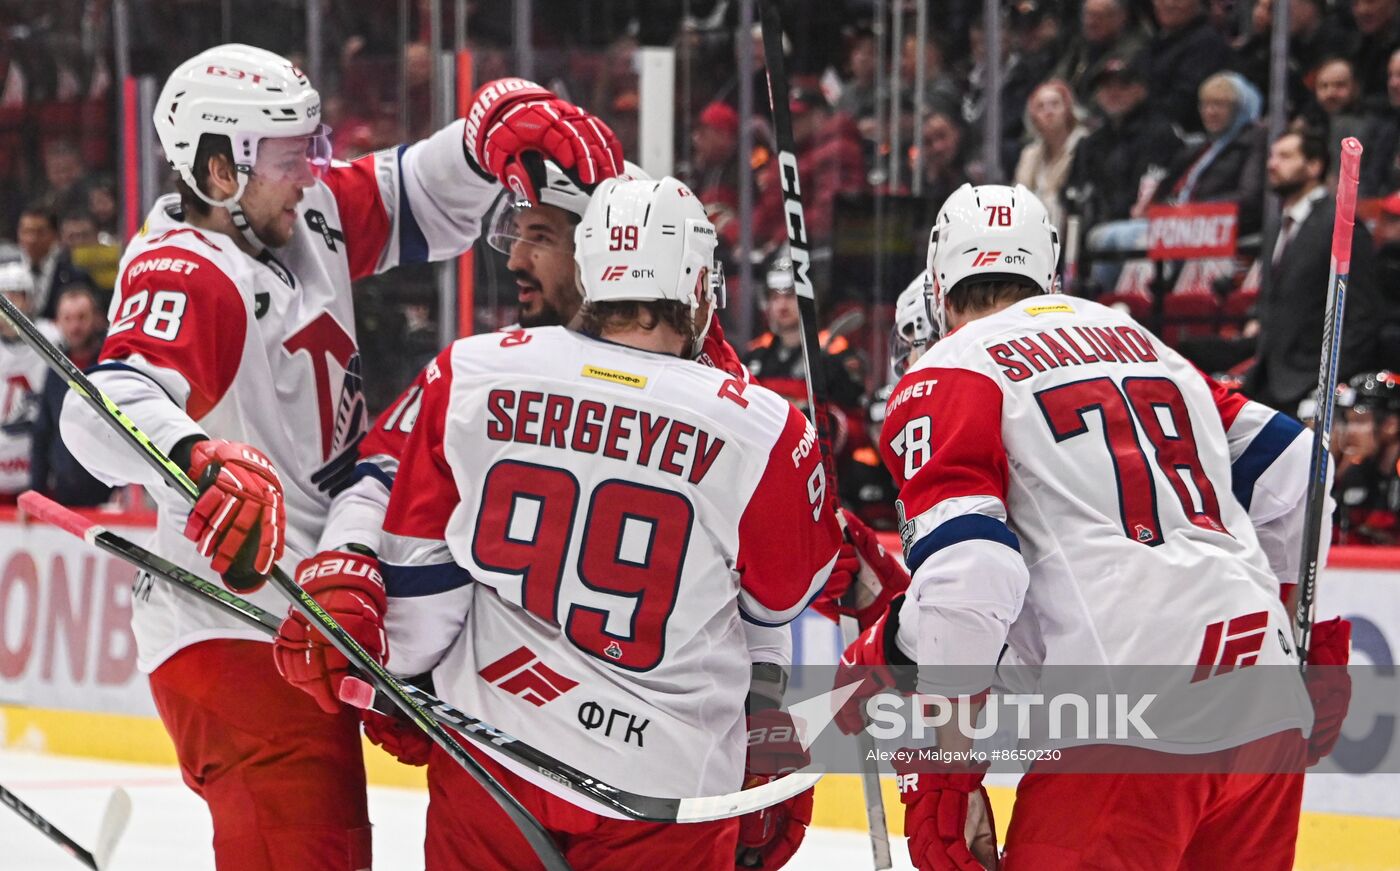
point(290, 158)
point(514, 220)
point(719, 291)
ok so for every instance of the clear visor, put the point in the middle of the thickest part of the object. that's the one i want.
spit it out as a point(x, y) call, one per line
point(904, 349)
point(514, 221)
point(294, 158)
point(719, 291)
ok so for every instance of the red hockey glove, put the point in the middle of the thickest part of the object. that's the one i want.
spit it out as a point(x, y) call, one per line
point(509, 117)
point(878, 577)
point(769, 837)
point(349, 587)
point(240, 503)
point(869, 660)
point(399, 738)
point(947, 815)
point(716, 352)
point(1329, 685)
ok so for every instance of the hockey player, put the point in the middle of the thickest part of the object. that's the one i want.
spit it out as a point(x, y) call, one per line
point(1151, 508)
point(867, 485)
point(579, 527)
point(232, 345)
point(21, 377)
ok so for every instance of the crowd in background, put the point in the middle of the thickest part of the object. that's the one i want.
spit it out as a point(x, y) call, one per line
point(1108, 108)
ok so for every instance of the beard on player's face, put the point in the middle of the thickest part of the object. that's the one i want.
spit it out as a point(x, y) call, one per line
point(550, 304)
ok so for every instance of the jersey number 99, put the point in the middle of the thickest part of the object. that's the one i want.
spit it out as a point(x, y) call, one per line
point(632, 550)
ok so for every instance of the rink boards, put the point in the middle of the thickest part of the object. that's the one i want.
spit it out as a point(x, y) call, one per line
point(69, 684)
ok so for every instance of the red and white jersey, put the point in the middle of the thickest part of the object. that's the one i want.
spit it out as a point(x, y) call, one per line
point(1074, 488)
point(208, 340)
point(21, 379)
point(578, 531)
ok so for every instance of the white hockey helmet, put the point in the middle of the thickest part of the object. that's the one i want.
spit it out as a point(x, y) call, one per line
point(558, 190)
point(14, 278)
point(644, 239)
point(247, 94)
point(989, 232)
point(913, 332)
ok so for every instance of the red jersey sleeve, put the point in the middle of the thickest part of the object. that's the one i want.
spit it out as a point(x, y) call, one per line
point(942, 444)
point(389, 435)
point(365, 219)
point(788, 533)
point(178, 311)
point(415, 556)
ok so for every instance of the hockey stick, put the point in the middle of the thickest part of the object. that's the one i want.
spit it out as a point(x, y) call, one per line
point(539, 839)
point(818, 393)
point(109, 831)
point(633, 805)
point(1306, 591)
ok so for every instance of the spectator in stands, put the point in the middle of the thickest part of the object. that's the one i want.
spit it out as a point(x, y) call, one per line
point(1185, 51)
point(102, 205)
point(1229, 165)
point(1313, 36)
point(1292, 306)
point(945, 164)
point(64, 175)
point(90, 250)
point(828, 153)
point(1380, 165)
point(715, 171)
point(1106, 32)
point(1044, 165)
point(46, 259)
point(1335, 111)
point(1378, 26)
point(1134, 143)
point(53, 470)
point(858, 97)
point(1036, 44)
point(940, 90)
point(1388, 282)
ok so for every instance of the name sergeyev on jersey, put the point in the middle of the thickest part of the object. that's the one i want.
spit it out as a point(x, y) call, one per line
point(619, 432)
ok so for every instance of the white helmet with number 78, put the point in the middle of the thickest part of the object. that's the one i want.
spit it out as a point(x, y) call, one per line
point(991, 232)
point(644, 239)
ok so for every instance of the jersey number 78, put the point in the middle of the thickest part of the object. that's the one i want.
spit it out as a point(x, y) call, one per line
point(1155, 406)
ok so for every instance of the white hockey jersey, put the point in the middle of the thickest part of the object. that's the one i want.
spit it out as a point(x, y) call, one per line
point(576, 533)
point(1072, 487)
point(21, 379)
point(208, 340)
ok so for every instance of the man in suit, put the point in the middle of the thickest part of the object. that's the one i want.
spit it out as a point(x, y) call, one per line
point(46, 259)
point(1290, 313)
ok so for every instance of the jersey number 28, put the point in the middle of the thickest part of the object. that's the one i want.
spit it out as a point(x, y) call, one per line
point(632, 549)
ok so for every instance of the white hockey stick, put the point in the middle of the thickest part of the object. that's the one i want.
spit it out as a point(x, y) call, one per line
point(633, 805)
point(109, 831)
